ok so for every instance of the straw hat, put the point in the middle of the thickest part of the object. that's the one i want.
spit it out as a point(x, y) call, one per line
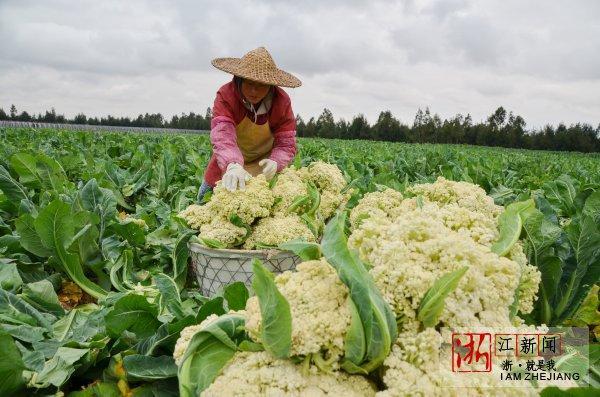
point(257, 65)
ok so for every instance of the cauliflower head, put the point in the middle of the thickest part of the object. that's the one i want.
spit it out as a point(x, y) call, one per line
point(414, 250)
point(331, 201)
point(376, 204)
point(287, 188)
point(465, 216)
point(260, 374)
point(197, 215)
point(319, 307)
point(464, 194)
point(277, 230)
point(255, 201)
point(325, 176)
point(223, 231)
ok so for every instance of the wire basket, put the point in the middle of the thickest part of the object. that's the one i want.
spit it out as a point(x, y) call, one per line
point(216, 268)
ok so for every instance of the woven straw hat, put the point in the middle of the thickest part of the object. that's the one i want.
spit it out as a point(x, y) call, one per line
point(257, 65)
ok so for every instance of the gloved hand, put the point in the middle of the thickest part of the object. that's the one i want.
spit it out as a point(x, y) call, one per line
point(269, 168)
point(235, 177)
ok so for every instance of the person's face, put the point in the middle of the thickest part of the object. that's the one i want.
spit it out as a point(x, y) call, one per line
point(254, 91)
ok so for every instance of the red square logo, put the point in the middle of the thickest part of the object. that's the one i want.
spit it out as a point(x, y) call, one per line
point(471, 352)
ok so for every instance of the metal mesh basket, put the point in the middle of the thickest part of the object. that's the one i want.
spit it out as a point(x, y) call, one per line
point(216, 268)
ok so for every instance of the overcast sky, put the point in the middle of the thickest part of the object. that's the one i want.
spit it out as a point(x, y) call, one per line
point(540, 59)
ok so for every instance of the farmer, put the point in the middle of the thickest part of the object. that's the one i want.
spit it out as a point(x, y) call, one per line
point(253, 128)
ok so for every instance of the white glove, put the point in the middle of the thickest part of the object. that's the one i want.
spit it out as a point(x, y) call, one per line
point(235, 176)
point(269, 168)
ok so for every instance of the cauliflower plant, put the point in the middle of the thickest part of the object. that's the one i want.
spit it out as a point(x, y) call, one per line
point(416, 249)
point(259, 374)
point(466, 215)
point(319, 307)
point(277, 230)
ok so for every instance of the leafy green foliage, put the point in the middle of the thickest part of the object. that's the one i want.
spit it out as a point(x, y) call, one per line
point(307, 251)
point(11, 365)
point(377, 318)
point(566, 250)
point(236, 295)
point(208, 352)
point(276, 327)
point(510, 224)
point(432, 304)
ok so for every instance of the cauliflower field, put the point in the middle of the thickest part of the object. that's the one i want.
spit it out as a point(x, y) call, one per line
point(414, 241)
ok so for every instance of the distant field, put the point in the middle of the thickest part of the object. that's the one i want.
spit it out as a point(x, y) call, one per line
point(497, 170)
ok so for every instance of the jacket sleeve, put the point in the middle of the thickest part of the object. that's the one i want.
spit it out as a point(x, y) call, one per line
point(284, 138)
point(222, 134)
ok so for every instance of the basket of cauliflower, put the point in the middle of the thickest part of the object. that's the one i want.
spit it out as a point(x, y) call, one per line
point(256, 223)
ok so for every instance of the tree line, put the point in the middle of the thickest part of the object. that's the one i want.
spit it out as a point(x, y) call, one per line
point(501, 128)
point(191, 121)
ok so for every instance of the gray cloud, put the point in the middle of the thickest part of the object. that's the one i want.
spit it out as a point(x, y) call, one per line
point(537, 58)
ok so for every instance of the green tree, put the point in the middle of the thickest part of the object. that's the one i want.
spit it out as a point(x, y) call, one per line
point(326, 125)
point(80, 118)
point(13, 112)
point(341, 129)
point(300, 126)
point(387, 128)
point(24, 116)
point(359, 128)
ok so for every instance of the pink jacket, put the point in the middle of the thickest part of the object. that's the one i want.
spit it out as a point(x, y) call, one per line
point(228, 111)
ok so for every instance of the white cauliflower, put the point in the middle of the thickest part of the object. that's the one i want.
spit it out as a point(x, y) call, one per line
point(249, 204)
point(255, 201)
point(277, 230)
point(530, 280)
point(376, 204)
point(319, 307)
point(197, 215)
point(465, 215)
point(259, 374)
point(325, 176)
point(331, 201)
point(408, 254)
point(125, 218)
point(222, 231)
point(465, 194)
point(330, 182)
point(287, 188)
point(481, 227)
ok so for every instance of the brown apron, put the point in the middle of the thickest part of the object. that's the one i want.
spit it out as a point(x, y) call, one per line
point(255, 142)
